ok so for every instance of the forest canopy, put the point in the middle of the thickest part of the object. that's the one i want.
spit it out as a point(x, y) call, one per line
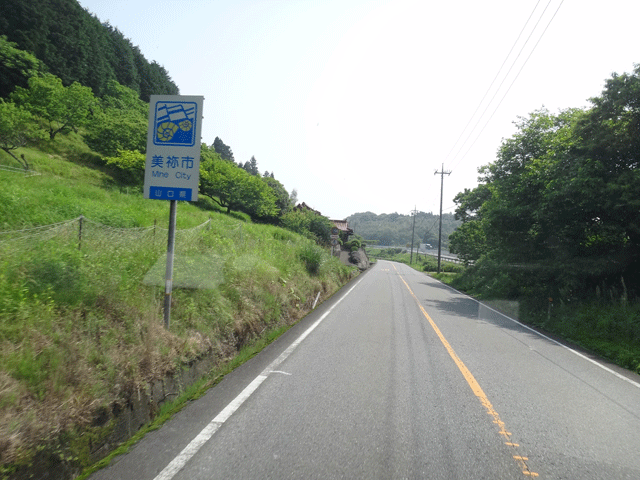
point(76, 47)
point(559, 209)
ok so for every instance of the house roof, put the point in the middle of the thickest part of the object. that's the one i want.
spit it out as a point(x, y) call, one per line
point(343, 226)
point(304, 206)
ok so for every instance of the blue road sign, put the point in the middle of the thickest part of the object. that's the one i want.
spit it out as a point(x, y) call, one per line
point(173, 148)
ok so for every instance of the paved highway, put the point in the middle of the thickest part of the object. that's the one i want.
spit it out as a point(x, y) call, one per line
point(400, 377)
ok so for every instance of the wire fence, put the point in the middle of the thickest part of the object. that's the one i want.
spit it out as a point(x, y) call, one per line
point(83, 227)
point(25, 171)
point(200, 251)
point(93, 239)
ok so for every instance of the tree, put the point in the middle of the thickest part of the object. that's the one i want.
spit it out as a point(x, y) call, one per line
point(594, 196)
point(17, 127)
point(130, 166)
point(234, 189)
point(61, 107)
point(121, 123)
point(16, 67)
point(77, 47)
point(223, 150)
point(515, 225)
point(280, 193)
point(309, 224)
point(469, 240)
point(252, 167)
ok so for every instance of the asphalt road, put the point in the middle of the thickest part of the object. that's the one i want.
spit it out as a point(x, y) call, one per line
point(398, 376)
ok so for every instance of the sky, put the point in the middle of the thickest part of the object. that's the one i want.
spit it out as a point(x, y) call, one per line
point(356, 104)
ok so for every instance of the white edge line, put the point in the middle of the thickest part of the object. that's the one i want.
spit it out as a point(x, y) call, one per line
point(575, 352)
point(207, 432)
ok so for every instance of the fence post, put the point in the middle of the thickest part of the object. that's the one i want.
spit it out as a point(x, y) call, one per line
point(80, 219)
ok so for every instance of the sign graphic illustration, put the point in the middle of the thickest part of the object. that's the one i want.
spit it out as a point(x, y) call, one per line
point(172, 169)
point(175, 123)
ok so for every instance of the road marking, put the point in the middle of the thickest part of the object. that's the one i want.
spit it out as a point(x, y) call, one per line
point(207, 432)
point(575, 352)
point(532, 330)
point(475, 387)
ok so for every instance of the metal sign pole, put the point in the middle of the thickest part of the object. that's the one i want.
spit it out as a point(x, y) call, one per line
point(172, 163)
point(168, 285)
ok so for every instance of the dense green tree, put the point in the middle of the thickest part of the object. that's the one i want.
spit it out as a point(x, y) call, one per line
point(223, 150)
point(469, 241)
point(253, 166)
point(17, 128)
point(61, 107)
point(120, 55)
point(235, 189)
point(516, 182)
point(16, 67)
point(280, 193)
point(129, 165)
point(77, 47)
point(559, 208)
point(120, 124)
point(308, 223)
point(395, 229)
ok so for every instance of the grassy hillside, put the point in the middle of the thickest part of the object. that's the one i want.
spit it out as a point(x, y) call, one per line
point(81, 324)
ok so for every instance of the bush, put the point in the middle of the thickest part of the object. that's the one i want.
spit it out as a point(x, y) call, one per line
point(354, 244)
point(312, 256)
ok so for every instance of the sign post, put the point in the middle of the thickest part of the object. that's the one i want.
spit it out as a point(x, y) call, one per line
point(172, 169)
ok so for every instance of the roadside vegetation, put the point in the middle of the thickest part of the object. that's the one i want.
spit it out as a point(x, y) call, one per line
point(553, 228)
point(554, 224)
point(82, 263)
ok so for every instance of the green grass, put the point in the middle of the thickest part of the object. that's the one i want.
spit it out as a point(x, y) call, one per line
point(81, 322)
point(609, 329)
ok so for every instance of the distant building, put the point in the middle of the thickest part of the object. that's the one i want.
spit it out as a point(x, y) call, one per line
point(343, 229)
point(340, 227)
point(304, 206)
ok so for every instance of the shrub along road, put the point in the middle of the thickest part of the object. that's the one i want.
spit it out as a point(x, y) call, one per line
point(399, 376)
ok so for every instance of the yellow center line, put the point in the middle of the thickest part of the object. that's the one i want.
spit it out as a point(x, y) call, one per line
point(475, 388)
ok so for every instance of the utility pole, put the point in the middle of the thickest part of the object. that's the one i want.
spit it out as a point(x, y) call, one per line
point(442, 173)
point(414, 212)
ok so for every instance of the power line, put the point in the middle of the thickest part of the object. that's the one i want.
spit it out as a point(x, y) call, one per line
point(492, 82)
point(511, 85)
point(504, 79)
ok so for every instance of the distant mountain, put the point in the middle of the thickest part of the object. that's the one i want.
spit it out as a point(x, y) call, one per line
point(394, 229)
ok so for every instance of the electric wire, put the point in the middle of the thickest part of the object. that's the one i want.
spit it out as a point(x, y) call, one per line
point(506, 75)
point(492, 83)
point(511, 85)
point(502, 83)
